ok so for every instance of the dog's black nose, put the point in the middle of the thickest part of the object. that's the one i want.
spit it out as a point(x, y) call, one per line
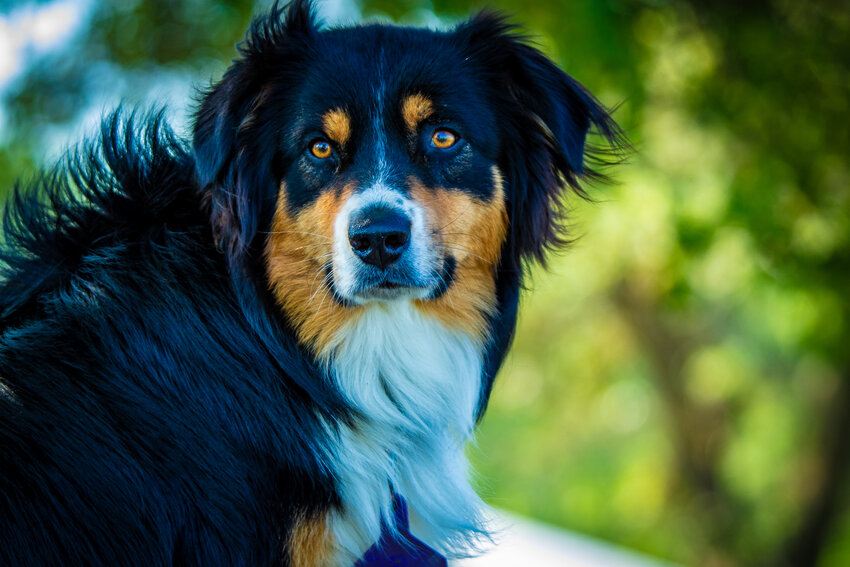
point(379, 235)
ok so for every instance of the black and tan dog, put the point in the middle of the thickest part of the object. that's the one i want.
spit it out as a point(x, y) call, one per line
point(245, 352)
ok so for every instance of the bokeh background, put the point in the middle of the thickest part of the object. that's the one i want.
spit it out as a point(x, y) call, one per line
point(680, 382)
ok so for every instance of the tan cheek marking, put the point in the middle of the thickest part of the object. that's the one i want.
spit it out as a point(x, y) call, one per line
point(310, 542)
point(337, 125)
point(414, 109)
point(472, 231)
point(298, 252)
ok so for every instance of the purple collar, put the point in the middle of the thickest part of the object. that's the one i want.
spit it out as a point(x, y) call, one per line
point(403, 549)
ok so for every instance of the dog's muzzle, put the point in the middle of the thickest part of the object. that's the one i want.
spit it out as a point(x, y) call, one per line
point(383, 249)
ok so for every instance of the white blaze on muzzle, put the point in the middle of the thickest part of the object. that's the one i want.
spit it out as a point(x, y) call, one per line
point(352, 276)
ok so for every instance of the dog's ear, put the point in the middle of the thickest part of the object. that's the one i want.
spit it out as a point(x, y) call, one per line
point(545, 117)
point(233, 159)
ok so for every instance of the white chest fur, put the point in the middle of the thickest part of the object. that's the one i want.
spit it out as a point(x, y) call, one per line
point(416, 384)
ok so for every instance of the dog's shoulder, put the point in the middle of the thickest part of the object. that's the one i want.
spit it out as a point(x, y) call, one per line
point(105, 207)
point(141, 420)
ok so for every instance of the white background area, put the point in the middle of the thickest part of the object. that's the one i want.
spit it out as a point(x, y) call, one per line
point(525, 543)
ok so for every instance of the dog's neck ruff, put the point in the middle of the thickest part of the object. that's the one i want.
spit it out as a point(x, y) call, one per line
point(416, 385)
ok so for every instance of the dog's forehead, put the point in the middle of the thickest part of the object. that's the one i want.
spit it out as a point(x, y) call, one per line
point(371, 69)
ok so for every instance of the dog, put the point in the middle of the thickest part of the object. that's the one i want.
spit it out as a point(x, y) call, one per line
point(264, 346)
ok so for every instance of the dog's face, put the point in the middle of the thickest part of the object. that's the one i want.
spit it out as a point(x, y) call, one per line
point(389, 184)
point(378, 164)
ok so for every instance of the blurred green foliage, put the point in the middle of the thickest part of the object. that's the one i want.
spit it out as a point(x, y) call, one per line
point(680, 381)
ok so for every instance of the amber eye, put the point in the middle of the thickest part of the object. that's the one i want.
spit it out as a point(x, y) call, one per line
point(321, 149)
point(444, 139)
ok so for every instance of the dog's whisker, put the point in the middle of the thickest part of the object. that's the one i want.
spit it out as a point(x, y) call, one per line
point(315, 260)
point(466, 234)
point(297, 232)
point(327, 283)
point(320, 288)
point(445, 285)
point(306, 246)
point(327, 274)
point(457, 217)
point(467, 252)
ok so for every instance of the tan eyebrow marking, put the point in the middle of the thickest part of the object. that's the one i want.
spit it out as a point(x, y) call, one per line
point(416, 108)
point(337, 125)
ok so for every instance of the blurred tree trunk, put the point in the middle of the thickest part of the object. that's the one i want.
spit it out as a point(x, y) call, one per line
point(698, 431)
point(699, 435)
point(805, 545)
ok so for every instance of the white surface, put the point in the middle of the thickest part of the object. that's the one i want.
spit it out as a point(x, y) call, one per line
point(525, 543)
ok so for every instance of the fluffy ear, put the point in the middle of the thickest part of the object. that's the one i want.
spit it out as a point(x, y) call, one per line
point(233, 160)
point(545, 116)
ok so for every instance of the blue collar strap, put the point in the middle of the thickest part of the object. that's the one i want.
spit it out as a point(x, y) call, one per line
point(403, 549)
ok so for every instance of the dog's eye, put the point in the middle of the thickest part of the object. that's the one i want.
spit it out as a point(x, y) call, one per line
point(321, 149)
point(444, 139)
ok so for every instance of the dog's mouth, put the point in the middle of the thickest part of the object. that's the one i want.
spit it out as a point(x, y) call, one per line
point(397, 285)
point(387, 292)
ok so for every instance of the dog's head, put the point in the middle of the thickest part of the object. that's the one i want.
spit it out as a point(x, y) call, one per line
point(380, 164)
